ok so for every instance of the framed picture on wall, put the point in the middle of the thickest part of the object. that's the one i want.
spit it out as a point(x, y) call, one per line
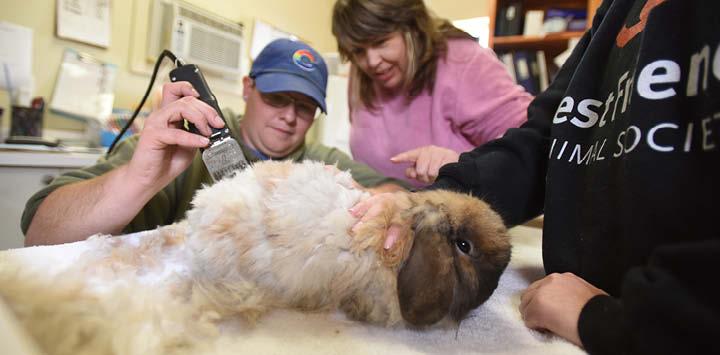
point(86, 21)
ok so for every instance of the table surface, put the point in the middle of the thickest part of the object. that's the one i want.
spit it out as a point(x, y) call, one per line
point(41, 156)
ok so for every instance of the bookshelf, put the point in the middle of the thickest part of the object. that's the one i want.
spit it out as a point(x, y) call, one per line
point(589, 5)
point(549, 45)
point(538, 41)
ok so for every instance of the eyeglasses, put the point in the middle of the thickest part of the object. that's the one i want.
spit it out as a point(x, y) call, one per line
point(303, 108)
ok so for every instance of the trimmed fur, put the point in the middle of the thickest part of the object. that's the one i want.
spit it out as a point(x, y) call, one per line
point(273, 236)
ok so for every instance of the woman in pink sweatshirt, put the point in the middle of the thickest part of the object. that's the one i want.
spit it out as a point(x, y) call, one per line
point(421, 91)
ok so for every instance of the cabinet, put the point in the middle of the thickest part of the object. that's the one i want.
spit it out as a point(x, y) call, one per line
point(552, 43)
point(22, 173)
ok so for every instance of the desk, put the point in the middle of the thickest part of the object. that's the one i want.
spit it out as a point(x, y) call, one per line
point(24, 171)
point(495, 327)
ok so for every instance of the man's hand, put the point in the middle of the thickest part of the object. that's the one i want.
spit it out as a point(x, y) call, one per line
point(554, 303)
point(426, 161)
point(373, 207)
point(165, 150)
point(107, 203)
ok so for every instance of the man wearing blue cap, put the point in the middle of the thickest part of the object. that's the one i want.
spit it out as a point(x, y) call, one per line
point(150, 179)
point(285, 72)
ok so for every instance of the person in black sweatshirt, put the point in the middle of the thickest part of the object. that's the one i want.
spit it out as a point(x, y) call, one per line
point(622, 155)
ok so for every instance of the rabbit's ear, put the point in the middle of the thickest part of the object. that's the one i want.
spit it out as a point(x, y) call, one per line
point(426, 280)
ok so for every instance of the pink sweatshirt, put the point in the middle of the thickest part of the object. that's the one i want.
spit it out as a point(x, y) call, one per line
point(474, 101)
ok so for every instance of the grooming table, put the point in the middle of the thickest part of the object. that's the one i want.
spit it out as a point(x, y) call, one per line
point(495, 327)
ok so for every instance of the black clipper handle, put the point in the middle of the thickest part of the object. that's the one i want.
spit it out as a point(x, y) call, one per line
point(192, 74)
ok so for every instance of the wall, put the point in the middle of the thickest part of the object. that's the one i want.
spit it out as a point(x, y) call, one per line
point(310, 20)
point(461, 9)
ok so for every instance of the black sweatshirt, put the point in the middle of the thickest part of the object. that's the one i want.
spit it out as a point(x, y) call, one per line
point(622, 155)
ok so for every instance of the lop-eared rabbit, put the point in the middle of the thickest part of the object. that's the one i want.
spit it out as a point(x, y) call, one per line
point(275, 236)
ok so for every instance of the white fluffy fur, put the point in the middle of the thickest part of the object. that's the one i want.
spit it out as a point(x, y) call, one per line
point(274, 236)
point(295, 249)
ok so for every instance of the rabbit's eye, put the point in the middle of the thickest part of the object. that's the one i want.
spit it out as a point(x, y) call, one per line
point(463, 245)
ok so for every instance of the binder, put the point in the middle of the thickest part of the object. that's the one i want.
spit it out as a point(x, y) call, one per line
point(510, 19)
point(527, 69)
point(515, 18)
point(523, 71)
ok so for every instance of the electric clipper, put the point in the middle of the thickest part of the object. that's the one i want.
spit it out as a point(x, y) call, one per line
point(223, 155)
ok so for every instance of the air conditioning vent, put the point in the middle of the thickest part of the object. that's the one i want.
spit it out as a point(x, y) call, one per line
point(198, 18)
point(197, 36)
point(215, 48)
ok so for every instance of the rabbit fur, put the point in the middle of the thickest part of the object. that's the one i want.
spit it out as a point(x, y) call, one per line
point(276, 235)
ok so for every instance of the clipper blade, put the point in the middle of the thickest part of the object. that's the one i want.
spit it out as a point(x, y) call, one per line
point(223, 158)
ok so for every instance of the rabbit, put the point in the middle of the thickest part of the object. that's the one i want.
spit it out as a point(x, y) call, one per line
point(298, 253)
point(278, 235)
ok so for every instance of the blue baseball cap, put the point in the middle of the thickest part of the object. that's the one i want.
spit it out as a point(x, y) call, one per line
point(285, 65)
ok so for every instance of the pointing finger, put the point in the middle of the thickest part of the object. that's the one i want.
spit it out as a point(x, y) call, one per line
point(410, 156)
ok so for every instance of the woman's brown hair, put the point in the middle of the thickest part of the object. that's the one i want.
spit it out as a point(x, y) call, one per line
point(358, 23)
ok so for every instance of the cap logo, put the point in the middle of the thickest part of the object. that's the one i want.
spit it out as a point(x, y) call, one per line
point(304, 59)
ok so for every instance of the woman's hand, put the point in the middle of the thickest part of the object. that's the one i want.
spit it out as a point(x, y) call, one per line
point(426, 161)
point(554, 303)
point(373, 207)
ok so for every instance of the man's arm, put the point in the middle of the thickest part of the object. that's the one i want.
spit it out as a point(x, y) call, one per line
point(107, 203)
point(73, 212)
